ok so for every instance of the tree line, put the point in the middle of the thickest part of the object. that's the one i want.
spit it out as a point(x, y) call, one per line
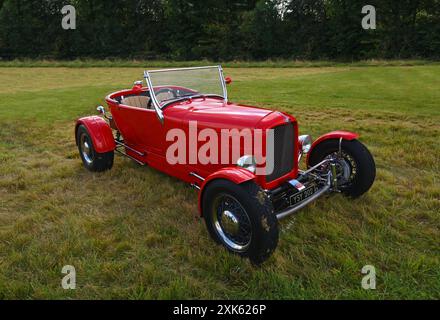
point(220, 29)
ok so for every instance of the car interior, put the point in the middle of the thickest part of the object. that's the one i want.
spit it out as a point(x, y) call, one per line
point(142, 100)
point(137, 101)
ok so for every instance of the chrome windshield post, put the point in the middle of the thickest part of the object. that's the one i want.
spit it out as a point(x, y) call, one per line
point(223, 81)
point(153, 97)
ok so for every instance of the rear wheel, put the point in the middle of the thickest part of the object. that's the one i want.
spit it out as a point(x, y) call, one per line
point(92, 160)
point(241, 218)
point(355, 166)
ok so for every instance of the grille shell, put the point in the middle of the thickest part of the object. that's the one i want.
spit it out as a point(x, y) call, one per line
point(284, 148)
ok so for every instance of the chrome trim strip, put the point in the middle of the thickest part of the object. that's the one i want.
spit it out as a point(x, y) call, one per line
point(131, 149)
point(195, 186)
point(197, 176)
point(130, 157)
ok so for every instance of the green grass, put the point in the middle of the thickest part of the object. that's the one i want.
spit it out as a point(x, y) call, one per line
point(134, 232)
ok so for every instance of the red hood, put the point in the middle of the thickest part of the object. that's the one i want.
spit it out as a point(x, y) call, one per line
point(213, 113)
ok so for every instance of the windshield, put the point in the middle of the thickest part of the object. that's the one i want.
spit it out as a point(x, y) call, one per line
point(176, 84)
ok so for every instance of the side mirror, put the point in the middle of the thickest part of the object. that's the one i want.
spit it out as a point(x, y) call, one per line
point(137, 86)
point(101, 110)
point(228, 80)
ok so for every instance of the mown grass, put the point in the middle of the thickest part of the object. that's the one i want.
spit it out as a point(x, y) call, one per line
point(134, 232)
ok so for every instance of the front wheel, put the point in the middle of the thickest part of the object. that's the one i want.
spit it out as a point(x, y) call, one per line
point(92, 160)
point(356, 169)
point(241, 218)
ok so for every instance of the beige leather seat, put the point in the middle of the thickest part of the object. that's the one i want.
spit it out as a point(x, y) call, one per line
point(136, 101)
point(164, 96)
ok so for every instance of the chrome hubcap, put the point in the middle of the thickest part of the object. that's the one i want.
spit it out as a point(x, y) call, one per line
point(231, 222)
point(86, 149)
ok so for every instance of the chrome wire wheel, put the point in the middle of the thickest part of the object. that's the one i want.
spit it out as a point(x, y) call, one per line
point(355, 166)
point(86, 148)
point(231, 222)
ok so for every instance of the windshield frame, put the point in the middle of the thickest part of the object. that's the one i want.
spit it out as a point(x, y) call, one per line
point(155, 102)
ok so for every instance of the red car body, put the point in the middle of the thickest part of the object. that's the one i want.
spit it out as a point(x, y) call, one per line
point(145, 141)
point(209, 113)
point(137, 125)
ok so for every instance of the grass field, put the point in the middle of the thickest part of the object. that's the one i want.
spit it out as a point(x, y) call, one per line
point(134, 232)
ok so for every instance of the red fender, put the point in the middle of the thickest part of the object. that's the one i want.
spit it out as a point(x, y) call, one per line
point(236, 175)
point(345, 135)
point(100, 132)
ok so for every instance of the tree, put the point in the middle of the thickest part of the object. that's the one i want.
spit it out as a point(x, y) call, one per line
point(262, 31)
point(220, 29)
point(204, 28)
point(26, 28)
point(306, 26)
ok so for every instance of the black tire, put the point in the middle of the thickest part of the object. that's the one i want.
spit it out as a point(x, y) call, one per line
point(360, 161)
point(261, 219)
point(92, 160)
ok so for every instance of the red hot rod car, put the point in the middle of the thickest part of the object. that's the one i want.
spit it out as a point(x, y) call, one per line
point(243, 160)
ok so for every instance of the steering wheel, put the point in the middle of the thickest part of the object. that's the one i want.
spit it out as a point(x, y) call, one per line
point(163, 90)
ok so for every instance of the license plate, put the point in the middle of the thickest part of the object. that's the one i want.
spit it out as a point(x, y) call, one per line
point(303, 195)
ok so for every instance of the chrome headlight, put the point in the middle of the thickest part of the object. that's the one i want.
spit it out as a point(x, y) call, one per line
point(306, 143)
point(248, 163)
